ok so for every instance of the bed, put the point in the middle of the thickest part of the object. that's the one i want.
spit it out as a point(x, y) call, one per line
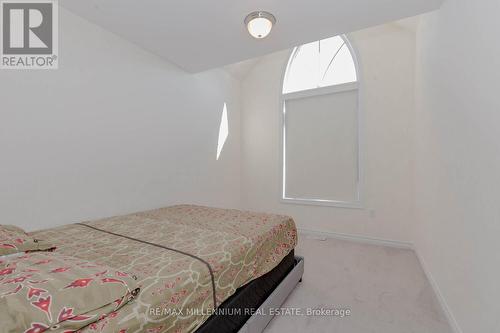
point(190, 263)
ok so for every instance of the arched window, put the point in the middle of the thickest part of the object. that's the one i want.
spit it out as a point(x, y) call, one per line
point(321, 155)
point(318, 64)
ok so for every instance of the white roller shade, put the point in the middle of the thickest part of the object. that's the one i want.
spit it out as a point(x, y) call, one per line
point(321, 147)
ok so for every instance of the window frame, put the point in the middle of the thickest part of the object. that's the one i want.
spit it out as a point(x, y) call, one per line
point(358, 203)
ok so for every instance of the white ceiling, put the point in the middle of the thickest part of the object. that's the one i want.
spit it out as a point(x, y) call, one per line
point(205, 34)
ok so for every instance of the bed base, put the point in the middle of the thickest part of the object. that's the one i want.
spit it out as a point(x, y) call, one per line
point(258, 322)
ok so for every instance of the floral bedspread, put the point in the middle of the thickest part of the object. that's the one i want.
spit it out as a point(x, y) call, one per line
point(15, 240)
point(47, 291)
point(177, 289)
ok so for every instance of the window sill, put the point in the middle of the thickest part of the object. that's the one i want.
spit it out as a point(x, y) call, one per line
point(325, 203)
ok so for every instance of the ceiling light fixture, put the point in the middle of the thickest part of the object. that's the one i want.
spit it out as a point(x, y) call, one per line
point(259, 24)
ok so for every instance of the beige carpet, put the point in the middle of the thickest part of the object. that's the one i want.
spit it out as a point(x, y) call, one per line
point(385, 289)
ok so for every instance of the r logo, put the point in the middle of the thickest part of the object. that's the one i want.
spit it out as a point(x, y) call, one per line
point(29, 34)
point(27, 28)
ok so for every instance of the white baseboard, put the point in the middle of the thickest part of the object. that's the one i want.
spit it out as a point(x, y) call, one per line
point(358, 238)
point(395, 244)
point(442, 301)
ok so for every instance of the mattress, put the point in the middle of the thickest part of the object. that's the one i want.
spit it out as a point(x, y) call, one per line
point(187, 259)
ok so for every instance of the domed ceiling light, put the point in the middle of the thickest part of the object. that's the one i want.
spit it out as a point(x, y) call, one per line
point(259, 24)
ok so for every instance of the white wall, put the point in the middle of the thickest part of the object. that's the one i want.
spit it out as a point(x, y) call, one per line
point(458, 160)
point(113, 130)
point(386, 55)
